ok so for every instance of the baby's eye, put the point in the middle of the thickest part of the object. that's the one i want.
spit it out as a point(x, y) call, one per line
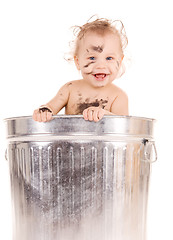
point(109, 58)
point(91, 58)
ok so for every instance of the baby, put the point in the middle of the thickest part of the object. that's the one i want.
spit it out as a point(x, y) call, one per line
point(98, 54)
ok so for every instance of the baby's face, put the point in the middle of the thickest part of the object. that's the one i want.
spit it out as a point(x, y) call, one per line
point(99, 58)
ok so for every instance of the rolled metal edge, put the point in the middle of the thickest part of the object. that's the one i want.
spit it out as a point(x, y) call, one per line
point(75, 125)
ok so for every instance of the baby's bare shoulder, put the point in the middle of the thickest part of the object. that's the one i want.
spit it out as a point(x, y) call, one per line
point(115, 90)
point(73, 83)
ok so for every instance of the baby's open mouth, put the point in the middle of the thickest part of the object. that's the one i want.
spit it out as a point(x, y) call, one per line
point(100, 76)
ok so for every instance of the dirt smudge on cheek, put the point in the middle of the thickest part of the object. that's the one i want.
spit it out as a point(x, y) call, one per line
point(88, 64)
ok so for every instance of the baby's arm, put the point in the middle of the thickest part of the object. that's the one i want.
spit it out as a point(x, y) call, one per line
point(45, 112)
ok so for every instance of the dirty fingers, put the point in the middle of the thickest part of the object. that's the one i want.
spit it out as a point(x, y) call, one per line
point(93, 114)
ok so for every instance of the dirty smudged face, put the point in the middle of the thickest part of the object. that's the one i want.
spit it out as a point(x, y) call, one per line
point(99, 58)
point(94, 48)
point(93, 60)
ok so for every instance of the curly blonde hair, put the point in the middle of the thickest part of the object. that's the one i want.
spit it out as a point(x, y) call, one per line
point(100, 26)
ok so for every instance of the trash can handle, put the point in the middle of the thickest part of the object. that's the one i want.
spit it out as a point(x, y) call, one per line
point(149, 146)
point(6, 158)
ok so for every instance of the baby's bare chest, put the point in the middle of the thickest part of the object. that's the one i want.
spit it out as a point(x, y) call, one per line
point(79, 101)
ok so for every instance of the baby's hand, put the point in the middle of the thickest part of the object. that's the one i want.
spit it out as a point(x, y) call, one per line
point(94, 113)
point(42, 115)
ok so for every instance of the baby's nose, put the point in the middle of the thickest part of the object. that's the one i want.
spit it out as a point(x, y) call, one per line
point(100, 64)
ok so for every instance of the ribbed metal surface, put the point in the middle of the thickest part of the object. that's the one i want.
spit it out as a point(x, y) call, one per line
point(70, 190)
point(75, 179)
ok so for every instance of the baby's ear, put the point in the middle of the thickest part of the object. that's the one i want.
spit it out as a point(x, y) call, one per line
point(76, 60)
point(121, 60)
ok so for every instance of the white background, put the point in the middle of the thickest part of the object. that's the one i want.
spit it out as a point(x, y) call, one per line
point(34, 36)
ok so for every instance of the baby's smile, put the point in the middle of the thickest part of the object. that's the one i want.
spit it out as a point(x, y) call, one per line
point(100, 76)
point(98, 57)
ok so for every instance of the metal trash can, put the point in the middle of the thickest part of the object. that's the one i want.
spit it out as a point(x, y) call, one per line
point(73, 179)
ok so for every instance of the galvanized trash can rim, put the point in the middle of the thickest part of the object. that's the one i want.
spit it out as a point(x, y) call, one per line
point(75, 125)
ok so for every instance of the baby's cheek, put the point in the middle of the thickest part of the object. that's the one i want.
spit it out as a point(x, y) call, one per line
point(116, 65)
point(87, 68)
